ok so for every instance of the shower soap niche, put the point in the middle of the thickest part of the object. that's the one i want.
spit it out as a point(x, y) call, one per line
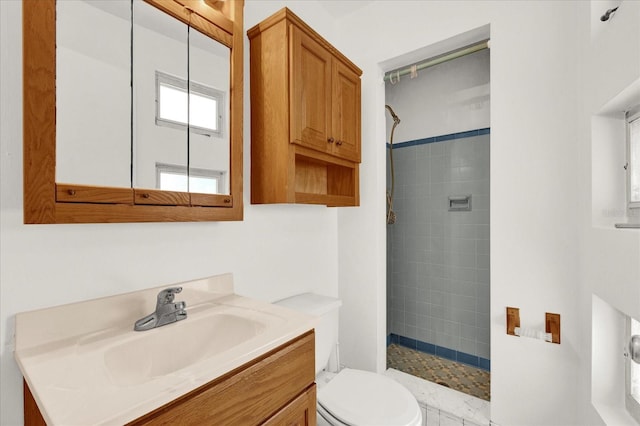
point(460, 203)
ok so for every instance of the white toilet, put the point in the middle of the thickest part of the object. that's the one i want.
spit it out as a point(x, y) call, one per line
point(352, 397)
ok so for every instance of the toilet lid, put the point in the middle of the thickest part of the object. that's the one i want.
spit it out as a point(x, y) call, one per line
point(362, 398)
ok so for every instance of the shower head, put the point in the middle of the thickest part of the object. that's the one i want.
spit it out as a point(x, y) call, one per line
point(393, 114)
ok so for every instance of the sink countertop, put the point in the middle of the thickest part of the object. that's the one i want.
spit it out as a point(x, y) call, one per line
point(64, 351)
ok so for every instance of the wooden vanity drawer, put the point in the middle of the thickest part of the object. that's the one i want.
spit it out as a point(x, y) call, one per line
point(261, 389)
point(299, 412)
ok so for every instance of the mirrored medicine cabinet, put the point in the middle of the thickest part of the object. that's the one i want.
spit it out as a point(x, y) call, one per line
point(132, 110)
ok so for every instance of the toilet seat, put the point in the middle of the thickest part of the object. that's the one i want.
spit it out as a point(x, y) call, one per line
point(358, 398)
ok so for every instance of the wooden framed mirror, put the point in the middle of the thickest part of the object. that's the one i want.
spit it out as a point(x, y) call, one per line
point(48, 201)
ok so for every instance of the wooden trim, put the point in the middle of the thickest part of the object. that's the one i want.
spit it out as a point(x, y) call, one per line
point(302, 151)
point(271, 176)
point(286, 14)
point(44, 201)
point(212, 200)
point(120, 213)
point(159, 197)
point(32, 414)
point(68, 193)
point(327, 199)
point(236, 94)
point(39, 103)
point(199, 16)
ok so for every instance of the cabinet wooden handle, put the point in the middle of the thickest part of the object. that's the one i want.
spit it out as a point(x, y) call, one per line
point(146, 195)
point(330, 140)
point(71, 192)
point(339, 142)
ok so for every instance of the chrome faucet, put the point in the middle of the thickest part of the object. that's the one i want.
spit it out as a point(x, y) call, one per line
point(166, 311)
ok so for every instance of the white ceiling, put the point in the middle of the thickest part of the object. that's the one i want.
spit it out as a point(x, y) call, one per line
point(338, 8)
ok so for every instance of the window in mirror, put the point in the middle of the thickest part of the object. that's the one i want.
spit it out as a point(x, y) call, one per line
point(159, 43)
point(174, 178)
point(199, 106)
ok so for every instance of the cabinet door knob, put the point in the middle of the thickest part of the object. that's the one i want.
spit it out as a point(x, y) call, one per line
point(330, 140)
point(339, 142)
point(146, 195)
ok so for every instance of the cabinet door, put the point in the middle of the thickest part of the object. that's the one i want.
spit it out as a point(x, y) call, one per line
point(299, 412)
point(346, 112)
point(310, 93)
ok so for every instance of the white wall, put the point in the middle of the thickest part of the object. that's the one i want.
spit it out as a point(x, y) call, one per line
point(447, 98)
point(610, 272)
point(93, 95)
point(535, 186)
point(273, 253)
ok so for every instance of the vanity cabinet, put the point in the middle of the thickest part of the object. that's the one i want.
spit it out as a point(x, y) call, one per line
point(305, 116)
point(276, 388)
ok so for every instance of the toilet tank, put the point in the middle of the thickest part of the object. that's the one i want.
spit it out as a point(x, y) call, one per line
point(327, 328)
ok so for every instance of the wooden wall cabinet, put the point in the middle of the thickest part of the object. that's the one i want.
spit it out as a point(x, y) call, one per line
point(275, 389)
point(305, 116)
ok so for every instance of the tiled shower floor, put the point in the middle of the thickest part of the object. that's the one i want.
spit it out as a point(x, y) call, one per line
point(464, 378)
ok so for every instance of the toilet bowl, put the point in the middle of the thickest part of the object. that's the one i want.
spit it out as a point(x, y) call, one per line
point(352, 397)
point(356, 397)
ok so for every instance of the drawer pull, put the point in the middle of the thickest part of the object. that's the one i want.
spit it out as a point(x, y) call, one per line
point(330, 140)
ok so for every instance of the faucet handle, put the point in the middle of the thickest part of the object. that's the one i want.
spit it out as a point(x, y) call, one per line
point(167, 295)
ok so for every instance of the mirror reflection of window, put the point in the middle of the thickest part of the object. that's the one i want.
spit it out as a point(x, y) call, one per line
point(159, 43)
point(170, 177)
point(198, 106)
point(181, 102)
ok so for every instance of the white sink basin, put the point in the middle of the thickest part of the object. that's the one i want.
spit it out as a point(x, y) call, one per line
point(169, 348)
point(85, 364)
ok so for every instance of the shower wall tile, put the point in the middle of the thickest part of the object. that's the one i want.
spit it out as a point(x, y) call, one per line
point(439, 260)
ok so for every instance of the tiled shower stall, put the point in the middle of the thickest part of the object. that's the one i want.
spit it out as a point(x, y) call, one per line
point(438, 259)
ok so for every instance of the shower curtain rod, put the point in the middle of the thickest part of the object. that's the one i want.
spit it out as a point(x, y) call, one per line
point(396, 74)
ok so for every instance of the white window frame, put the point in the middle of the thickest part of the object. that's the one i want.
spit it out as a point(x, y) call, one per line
point(195, 88)
point(217, 175)
point(632, 115)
